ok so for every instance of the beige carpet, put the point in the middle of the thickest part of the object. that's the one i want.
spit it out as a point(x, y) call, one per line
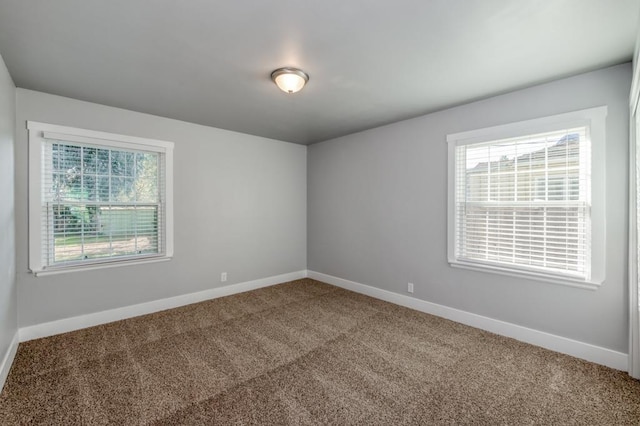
point(305, 353)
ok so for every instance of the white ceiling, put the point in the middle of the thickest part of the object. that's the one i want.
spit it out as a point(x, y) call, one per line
point(370, 62)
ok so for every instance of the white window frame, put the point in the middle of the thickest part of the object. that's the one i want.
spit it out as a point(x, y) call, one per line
point(37, 140)
point(594, 119)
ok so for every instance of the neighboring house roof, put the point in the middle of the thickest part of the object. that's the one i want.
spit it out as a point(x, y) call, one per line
point(505, 163)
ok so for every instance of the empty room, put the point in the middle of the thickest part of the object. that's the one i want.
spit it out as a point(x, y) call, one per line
point(333, 212)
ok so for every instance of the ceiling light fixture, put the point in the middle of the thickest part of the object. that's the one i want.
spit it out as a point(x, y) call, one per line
point(289, 80)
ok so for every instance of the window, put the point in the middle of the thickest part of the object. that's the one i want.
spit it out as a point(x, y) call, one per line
point(528, 198)
point(97, 199)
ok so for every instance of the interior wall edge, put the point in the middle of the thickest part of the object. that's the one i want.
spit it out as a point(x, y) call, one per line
point(7, 361)
point(582, 350)
point(93, 319)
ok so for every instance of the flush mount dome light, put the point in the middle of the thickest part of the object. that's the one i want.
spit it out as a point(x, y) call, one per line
point(289, 80)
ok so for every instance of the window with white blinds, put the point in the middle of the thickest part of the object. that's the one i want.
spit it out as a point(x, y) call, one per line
point(522, 199)
point(97, 199)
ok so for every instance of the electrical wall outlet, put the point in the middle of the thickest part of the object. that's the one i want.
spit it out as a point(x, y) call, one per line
point(410, 287)
point(223, 277)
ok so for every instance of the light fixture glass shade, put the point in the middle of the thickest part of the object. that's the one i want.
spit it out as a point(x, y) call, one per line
point(289, 80)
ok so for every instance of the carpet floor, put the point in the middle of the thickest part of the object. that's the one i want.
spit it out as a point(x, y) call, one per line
point(300, 353)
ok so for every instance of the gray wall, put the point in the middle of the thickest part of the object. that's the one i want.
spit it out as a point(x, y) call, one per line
point(8, 301)
point(377, 212)
point(239, 206)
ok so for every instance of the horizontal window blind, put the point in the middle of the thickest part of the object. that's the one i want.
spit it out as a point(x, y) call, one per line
point(100, 203)
point(525, 202)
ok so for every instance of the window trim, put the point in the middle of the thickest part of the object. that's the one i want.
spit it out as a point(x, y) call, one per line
point(595, 119)
point(38, 133)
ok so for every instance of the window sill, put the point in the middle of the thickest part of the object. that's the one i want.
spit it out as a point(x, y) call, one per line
point(565, 281)
point(104, 265)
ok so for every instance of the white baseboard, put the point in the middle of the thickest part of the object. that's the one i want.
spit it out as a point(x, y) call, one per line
point(586, 351)
point(7, 361)
point(89, 320)
point(597, 354)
